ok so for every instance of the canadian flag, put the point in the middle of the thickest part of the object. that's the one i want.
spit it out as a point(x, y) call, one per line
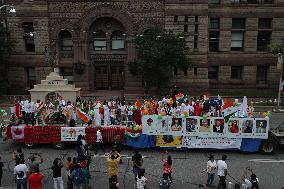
point(18, 132)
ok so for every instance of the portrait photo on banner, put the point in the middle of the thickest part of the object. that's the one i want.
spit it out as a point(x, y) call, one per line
point(176, 126)
point(218, 127)
point(234, 128)
point(191, 126)
point(261, 128)
point(204, 127)
point(247, 128)
point(149, 124)
point(163, 125)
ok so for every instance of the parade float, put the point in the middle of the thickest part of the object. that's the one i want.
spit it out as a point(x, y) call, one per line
point(214, 123)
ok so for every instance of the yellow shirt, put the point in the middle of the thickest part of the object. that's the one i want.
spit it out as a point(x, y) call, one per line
point(113, 165)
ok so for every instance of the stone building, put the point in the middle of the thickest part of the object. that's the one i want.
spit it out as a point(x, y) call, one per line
point(91, 41)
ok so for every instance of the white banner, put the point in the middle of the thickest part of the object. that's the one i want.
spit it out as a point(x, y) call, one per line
point(203, 128)
point(18, 132)
point(71, 133)
point(216, 143)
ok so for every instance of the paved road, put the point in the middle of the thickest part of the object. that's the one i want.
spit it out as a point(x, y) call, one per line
point(188, 166)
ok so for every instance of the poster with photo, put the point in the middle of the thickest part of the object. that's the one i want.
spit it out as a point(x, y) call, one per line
point(191, 126)
point(261, 128)
point(247, 128)
point(71, 133)
point(204, 128)
point(176, 125)
point(218, 127)
point(163, 124)
point(234, 128)
point(149, 124)
point(168, 141)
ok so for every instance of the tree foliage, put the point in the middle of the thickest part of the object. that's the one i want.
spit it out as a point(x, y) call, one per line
point(6, 47)
point(276, 48)
point(159, 52)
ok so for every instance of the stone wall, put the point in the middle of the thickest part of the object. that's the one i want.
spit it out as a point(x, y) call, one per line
point(50, 17)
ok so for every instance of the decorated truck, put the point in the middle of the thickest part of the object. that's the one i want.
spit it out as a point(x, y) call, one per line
point(231, 129)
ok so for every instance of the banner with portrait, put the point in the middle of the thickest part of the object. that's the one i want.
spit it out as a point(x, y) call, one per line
point(163, 125)
point(168, 141)
point(149, 124)
point(233, 128)
point(218, 127)
point(71, 133)
point(211, 142)
point(261, 128)
point(205, 127)
point(247, 128)
point(176, 126)
point(191, 126)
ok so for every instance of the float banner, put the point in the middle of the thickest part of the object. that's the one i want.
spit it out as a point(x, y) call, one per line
point(168, 141)
point(216, 143)
point(71, 133)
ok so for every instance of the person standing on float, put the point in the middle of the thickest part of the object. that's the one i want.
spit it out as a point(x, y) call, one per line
point(97, 114)
point(106, 114)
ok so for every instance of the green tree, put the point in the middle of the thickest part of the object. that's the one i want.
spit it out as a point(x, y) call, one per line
point(159, 52)
point(276, 48)
point(6, 47)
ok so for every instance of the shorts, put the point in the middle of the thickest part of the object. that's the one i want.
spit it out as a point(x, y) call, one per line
point(136, 171)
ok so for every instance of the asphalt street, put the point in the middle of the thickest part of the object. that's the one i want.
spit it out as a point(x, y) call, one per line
point(188, 165)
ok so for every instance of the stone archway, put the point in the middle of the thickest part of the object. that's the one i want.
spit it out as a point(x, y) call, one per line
point(107, 11)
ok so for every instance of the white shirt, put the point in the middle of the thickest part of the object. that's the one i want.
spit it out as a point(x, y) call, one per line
point(141, 182)
point(19, 168)
point(222, 166)
point(211, 166)
point(130, 110)
point(248, 183)
point(188, 108)
point(99, 136)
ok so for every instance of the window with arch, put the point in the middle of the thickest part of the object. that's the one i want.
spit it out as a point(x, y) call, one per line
point(66, 43)
point(117, 40)
point(100, 41)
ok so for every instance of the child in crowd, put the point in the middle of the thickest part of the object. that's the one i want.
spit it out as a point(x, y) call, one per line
point(164, 183)
point(167, 163)
point(141, 180)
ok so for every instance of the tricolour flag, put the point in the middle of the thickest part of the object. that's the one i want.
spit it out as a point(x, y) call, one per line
point(85, 117)
point(39, 111)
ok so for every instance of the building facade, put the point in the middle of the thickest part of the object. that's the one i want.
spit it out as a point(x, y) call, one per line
point(91, 41)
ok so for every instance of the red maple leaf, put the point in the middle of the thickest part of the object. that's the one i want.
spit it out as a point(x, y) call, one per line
point(18, 131)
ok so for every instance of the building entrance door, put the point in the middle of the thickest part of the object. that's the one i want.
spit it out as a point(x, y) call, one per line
point(109, 76)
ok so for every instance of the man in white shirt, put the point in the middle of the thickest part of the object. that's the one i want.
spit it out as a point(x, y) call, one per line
point(99, 142)
point(222, 172)
point(211, 169)
point(21, 174)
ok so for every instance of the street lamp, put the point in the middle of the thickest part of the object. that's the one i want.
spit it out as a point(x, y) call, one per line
point(280, 61)
point(11, 8)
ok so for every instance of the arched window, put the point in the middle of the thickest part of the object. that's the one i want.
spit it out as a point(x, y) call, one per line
point(66, 41)
point(117, 40)
point(100, 41)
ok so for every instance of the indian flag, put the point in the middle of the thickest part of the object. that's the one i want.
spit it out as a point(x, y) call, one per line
point(39, 111)
point(180, 97)
point(85, 117)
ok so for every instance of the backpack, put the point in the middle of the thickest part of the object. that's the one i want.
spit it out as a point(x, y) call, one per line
point(78, 177)
point(164, 184)
point(254, 184)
